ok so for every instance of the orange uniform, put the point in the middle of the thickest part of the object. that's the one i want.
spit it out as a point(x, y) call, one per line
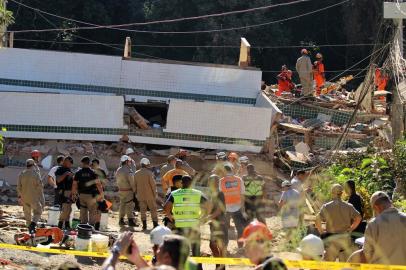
point(318, 74)
point(284, 82)
point(381, 81)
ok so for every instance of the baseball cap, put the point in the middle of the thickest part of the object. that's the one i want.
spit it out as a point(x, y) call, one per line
point(337, 189)
point(312, 246)
point(145, 161)
point(29, 162)
point(129, 151)
point(158, 233)
point(378, 195)
point(286, 183)
point(124, 158)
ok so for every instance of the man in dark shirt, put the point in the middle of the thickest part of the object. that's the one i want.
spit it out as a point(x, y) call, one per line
point(89, 188)
point(64, 179)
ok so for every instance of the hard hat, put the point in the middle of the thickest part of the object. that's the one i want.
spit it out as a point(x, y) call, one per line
point(243, 159)
point(337, 189)
point(158, 233)
point(124, 158)
point(129, 151)
point(145, 161)
point(319, 55)
point(304, 51)
point(221, 155)
point(35, 153)
point(312, 246)
point(29, 162)
point(286, 183)
point(233, 156)
point(257, 229)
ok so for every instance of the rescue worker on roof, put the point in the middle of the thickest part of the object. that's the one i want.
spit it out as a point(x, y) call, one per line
point(167, 182)
point(285, 83)
point(146, 193)
point(254, 194)
point(126, 191)
point(88, 187)
point(341, 219)
point(385, 236)
point(233, 188)
point(218, 169)
point(64, 181)
point(305, 69)
point(186, 207)
point(318, 72)
point(31, 194)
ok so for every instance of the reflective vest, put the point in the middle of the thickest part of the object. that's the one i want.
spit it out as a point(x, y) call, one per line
point(231, 187)
point(254, 185)
point(186, 207)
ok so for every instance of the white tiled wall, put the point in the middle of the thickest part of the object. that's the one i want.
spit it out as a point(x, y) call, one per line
point(264, 102)
point(214, 119)
point(61, 110)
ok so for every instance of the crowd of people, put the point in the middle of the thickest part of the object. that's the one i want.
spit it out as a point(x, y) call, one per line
point(234, 191)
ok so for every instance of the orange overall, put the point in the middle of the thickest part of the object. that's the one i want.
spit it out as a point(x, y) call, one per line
point(318, 74)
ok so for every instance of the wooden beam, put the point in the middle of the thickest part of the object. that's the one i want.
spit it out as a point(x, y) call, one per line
point(127, 48)
point(245, 57)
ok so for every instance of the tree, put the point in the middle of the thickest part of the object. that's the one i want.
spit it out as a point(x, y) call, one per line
point(6, 18)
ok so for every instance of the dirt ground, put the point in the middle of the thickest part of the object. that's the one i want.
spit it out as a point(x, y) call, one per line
point(49, 261)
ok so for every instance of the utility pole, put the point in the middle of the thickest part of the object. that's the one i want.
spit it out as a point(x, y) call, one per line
point(3, 27)
point(397, 12)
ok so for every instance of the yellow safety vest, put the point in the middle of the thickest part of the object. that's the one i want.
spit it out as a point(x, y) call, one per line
point(254, 185)
point(186, 207)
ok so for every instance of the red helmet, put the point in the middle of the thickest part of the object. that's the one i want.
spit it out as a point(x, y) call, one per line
point(35, 154)
point(257, 229)
point(233, 156)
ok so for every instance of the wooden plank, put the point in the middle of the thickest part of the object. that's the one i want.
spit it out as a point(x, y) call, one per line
point(295, 128)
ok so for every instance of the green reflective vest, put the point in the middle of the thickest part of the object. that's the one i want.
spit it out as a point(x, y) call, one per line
point(254, 185)
point(186, 207)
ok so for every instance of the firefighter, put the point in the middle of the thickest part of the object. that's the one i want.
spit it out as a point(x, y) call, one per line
point(318, 73)
point(285, 83)
point(126, 191)
point(87, 184)
point(31, 194)
point(305, 69)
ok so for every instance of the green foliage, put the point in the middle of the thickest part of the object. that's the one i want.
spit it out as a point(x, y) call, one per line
point(6, 16)
point(399, 153)
point(401, 205)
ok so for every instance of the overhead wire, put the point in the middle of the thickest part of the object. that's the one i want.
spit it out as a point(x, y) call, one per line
point(190, 32)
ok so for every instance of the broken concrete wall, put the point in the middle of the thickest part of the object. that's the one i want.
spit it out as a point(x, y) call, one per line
point(264, 102)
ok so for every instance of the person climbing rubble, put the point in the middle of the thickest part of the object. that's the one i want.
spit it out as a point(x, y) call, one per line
point(305, 69)
point(126, 191)
point(31, 194)
point(285, 83)
point(318, 73)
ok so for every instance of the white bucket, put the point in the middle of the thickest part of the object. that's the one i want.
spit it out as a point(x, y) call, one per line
point(72, 213)
point(100, 243)
point(104, 221)
point(53, 216)
point(82, 244)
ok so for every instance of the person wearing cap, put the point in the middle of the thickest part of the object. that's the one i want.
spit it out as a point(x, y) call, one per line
point(64, 181)
point(341, 219)
point(167, 182)
point(256, 239)
point(305, 69)
point(289, 204)
point(36, 156)
point(126, 191)
point(385, 235)
point(311, 247)
point(170, 165)
point(221, 159)
point(88, 189)
point(318, 73)
point(131, 154)
point(146, 192)
point(233, 188)
point(254, 194)
point(31, 194)
point(52, 178)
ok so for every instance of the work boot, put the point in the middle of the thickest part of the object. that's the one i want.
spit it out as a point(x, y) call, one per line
point(144, 225)
point(131, 222)
point(32, 227)
point(60, 225)
point(67, 225)
point(97, 226)
point(122, 222)
point(155, 224)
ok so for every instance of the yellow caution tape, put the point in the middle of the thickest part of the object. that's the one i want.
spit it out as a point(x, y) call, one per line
point(226, 261)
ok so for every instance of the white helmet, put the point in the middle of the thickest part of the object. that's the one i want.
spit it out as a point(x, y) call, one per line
point(158, 233)
point(129, 151)
point(124, 158)
point(312, 246)
point(145, 161)
point(243, 159)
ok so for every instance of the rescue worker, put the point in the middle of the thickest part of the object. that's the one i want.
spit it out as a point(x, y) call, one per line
point(218, 169)
point(167, 182)
point(126, 191)
point(341, 219)
point(170, 164)
point(182, 155)
point(244, 161)
point(254, 194)
point(146, 193)
point(385, 236)
point(289, 204)
point(177, 184)
point(188, 206)
point(64, 180)
point(36, 156)
point(52, 178)
point(233, 159)
point(305, 69)
point(131, 154)
point(88, 187)
point(31, 194)
point(256, 239)
point(102, 176)
point(285, 83)
point(318, 73)
point(233, 188)
point(311, 247)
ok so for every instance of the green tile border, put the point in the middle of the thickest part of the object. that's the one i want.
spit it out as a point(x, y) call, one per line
point(126, 91)
point(132, 132)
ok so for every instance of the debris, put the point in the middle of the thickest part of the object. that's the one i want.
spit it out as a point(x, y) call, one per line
point(302, 148)
point(138, 119)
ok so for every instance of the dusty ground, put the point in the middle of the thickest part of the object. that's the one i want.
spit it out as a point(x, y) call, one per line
point(47, 261)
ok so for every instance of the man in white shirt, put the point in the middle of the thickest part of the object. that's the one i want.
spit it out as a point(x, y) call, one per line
point(298, 180)
point(52, 178)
